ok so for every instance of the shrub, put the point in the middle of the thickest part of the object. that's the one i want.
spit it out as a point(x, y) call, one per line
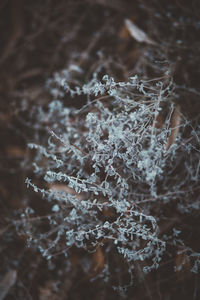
point(112, 167)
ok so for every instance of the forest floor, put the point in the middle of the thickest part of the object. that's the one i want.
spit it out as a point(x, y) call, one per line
point(39, 38)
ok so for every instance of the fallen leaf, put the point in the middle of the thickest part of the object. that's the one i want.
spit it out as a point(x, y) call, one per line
point(98, 262)
point(138, 34)
point(158, 121)
point(65, 188)
point(174, 125)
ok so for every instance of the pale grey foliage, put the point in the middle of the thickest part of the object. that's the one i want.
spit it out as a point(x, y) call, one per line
point(106, 167)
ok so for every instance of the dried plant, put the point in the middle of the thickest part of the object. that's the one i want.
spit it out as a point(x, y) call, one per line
point(111, 169)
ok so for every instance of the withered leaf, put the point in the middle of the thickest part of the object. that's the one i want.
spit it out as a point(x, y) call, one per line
point(98, 262)
point(174, 126)
point(138, 34)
